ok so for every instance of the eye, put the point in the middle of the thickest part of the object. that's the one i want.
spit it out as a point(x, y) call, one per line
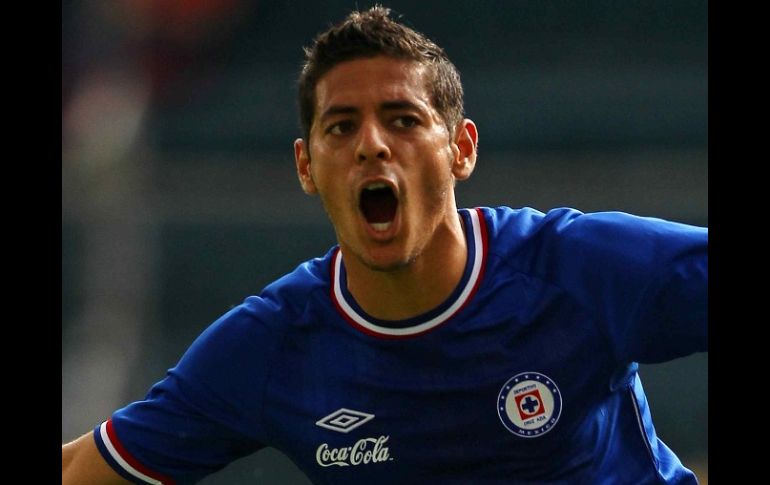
point(405, 121)
point(340, 128)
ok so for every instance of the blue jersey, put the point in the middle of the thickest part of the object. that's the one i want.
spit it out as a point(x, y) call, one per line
point(525, 374)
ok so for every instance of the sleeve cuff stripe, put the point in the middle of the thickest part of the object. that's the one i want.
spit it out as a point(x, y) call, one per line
point(124, 458)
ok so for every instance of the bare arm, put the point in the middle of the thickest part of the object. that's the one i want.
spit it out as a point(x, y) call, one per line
point(81, 463)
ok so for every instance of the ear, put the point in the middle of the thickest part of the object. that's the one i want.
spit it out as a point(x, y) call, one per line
point(302, 159)
point(464, 148)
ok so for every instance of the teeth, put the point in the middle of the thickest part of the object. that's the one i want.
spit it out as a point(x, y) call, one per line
point(381, 226)
point(375, 186)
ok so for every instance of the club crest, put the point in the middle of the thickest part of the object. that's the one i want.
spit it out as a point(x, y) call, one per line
point(529, 404)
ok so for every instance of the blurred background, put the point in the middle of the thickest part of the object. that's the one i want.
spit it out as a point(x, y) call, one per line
point(179, 196)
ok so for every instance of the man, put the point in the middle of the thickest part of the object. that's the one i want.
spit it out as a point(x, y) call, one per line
point(381, 361)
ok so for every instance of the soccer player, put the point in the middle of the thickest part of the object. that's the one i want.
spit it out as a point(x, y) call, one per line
point(432, 344)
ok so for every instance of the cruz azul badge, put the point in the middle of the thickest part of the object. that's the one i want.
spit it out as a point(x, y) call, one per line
point(529, 404)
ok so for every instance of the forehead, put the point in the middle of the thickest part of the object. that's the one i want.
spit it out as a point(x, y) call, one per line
point(372, 80)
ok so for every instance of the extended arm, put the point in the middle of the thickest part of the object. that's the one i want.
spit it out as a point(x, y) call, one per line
point(81, 463)
point(645, 279)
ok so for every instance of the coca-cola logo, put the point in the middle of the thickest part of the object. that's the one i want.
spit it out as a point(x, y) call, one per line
point(364, 451)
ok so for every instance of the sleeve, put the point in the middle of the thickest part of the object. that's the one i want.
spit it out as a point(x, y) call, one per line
point(645, 279)
point(204, 414)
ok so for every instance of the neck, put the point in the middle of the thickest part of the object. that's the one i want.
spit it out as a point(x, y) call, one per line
point(418, 287)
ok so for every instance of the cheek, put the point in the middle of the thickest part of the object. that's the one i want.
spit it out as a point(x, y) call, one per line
point(437, 182)
point(324, 174)
point(328, 192)
point(332, 189)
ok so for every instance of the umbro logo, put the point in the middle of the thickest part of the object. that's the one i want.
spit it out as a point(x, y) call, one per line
point(344, 420)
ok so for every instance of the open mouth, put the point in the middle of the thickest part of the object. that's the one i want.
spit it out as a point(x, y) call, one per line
point(378, 205)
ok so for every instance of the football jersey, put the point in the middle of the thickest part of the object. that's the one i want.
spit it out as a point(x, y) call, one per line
point(527, 373)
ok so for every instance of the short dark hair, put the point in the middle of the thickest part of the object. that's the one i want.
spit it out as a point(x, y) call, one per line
point(371, 33)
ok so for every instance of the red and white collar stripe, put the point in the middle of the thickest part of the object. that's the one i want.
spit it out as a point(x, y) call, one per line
point(479, 238)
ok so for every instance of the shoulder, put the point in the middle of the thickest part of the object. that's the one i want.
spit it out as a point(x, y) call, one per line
point(290, 294)
point(254, 330)
point(570, 226)
point(267, 316)
point(521, 234)
point(525, 222)
point(547, 243)
point(565, 220)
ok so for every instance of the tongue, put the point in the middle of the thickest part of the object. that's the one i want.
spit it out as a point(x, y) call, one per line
point(378, 205)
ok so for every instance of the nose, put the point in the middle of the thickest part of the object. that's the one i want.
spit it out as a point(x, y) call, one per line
point(372, 143)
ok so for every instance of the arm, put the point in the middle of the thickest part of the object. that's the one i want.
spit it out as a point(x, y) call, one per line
point(655, 286)
point(81, 463)
point(202, 396)
point(143, 439)
point(645, 279)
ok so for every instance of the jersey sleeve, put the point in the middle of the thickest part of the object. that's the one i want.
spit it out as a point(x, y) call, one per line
point(645, 279)
point(205, 413)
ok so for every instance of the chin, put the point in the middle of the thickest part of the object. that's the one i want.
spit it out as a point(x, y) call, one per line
point(386, 267)
point(386, 263)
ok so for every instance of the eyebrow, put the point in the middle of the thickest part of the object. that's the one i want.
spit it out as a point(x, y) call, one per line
point(336, 110)
point(399, 105)
point(394, 105)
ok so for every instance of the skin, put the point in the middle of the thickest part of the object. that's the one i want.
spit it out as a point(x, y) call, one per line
point(82, 464)
point(375, 123)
